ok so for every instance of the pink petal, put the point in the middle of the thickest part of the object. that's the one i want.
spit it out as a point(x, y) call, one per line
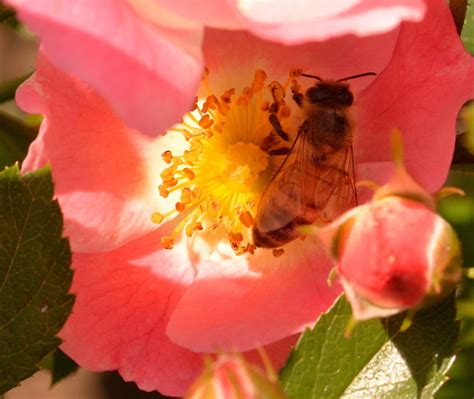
point(105, 174)
point(292, 22)
point(120, 314)
point(148, 71)
point(218, 13)
point(419, 93)
point(243, 303)
point(233, 57)
point(295, 22)
point(124, 299)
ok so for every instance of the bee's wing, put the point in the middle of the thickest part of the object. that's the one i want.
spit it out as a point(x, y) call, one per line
point(284, 198)
point(335, 191)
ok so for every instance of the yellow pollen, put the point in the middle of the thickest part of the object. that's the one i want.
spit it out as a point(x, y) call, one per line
point(157, 217)
point(217, 181)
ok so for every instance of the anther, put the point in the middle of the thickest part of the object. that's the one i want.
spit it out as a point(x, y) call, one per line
point(251, 248)
point(170, 183)
point(194, 106)
point(278, 252)
point(163, 191)
point(223, 108)
point(219, 127)
point(206, 122)
point(236, 237)
point(248, 92)
point(277, 91)
point(157, 217)
point(190, 175)
point(242, 101)
point(167, 242)
point(191, 228)
point(246, 219)
point(180, 207)
point(186, 196)
point(167, 156)
point(259, 80)
point(295, 72)
point(212, 101)
point(227, 96)
point(168, 173)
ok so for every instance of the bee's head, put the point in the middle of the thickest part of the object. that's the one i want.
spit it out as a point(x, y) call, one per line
point(330, 94)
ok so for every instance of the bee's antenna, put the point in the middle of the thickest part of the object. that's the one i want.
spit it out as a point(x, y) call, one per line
point(360, 75)
point(311, 76)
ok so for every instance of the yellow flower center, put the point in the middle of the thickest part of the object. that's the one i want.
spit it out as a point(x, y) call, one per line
point(228, 163)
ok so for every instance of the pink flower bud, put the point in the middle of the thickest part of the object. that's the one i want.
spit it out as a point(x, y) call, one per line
point(396, 254)
point(231, 377)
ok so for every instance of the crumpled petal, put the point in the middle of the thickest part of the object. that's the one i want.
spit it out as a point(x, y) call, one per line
point(124, 299)
point(148, 70)
point(244, 303)
point(419, 93)
point(293, 22)
point(105, 174)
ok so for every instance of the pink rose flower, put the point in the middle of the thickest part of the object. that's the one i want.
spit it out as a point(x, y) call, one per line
point(152, 312)
point(145, 56)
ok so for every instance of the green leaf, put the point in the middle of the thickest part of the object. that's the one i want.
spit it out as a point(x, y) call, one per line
point(59, 365)
point(468, 30)
point(459, 211)
point(34, 273)
point(460, 384)
point(377, 361)
point(15, 138)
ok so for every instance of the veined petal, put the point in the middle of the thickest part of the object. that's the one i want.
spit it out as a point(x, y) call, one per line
point(148, 71)
point(105, 174)
point(243, 303)
point(419, 93)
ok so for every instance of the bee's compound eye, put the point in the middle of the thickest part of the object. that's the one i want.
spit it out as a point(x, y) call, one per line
point(316, 94)
point(345, 97)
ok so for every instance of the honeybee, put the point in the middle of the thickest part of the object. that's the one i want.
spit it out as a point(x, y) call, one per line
point(316, 180)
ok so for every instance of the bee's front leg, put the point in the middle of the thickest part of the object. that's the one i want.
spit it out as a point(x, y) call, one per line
point(272, 118)
point(298, 97)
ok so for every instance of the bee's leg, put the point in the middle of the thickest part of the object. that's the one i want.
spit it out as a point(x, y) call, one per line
point(297, 96)
point(277, 126)
point(279, 151)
